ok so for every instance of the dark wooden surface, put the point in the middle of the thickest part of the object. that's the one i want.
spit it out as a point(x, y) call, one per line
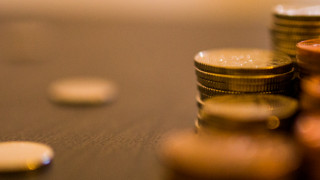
point(152, 64)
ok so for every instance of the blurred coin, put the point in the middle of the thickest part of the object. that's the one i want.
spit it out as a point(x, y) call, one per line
point(308, 68)
point(242, 62)
point(229, 156)
point(280, 36)
point(24, 156)
point(82, 91)
point(307, 130)
point(245, 79)
point(245, 87)
point(236, 111)
point(296, 30)
point(301, 11)
point(295, 23)
point(311, 86)
point(309, 51)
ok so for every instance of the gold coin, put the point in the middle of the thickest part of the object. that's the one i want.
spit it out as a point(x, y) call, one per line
point(295, 23)
point(242, 62)
point(292, 37)
point(24, 156)
point(301, 12)
point(296, 30)
point(248, 110)
point(82, 91)
point(246, 79)
point(245, 87)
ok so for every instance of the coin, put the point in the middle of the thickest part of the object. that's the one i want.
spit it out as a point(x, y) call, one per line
point(298, 11)
point(307, 130)
point(296, 30)
point(311, 86)
point(82, 91)
point(309, 51)
point(242, 62)
point(244, 87)
point(233, 111)
point(246, 79)
point(295, 23)
point(24, 156)
point(229, 156)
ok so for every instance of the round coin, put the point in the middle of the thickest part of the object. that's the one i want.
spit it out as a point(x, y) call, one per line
point(309, 50)
point(82, 91)
point(244, 111)
point(24, 156)
point(229, 156)
point(243, 62)
point(302, 11)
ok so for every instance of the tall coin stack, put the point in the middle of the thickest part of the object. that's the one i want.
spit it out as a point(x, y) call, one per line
point(292, 24)
point(242, 71)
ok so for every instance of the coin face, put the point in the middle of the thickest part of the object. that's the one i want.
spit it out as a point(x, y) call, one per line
point(229, 156)
point(82, 91)
point(248, 108)
point(242, 61)
point(298, 10)
point(24, 156)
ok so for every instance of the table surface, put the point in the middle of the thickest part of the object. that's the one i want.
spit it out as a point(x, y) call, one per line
point(152, 64)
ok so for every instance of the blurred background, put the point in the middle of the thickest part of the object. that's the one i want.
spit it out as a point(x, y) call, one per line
point(34, 29)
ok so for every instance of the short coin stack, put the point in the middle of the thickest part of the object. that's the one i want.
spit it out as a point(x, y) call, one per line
point(242, 71)
point(292, 24)
point(308, 57)
point(247, 113)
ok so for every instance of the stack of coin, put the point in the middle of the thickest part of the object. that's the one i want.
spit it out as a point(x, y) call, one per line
point(292, 24)
point(243, 71)
point(308, 56)
point(247, 113)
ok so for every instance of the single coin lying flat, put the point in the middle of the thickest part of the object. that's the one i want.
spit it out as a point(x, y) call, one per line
point(24, 156)
point(82, 91)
